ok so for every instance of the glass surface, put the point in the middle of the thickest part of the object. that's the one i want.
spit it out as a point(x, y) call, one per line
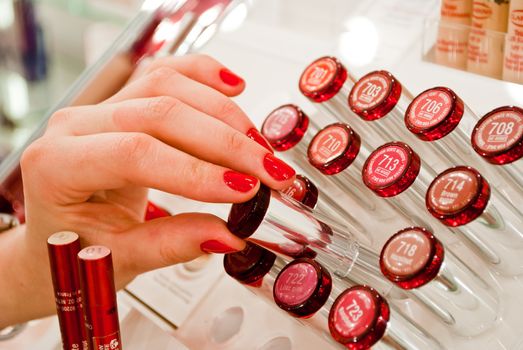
point(39, 60)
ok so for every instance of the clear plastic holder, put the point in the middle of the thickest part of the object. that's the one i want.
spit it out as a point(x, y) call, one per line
point(405, 186)
point(306, 192)
point(332, 185)
point(498, 139)
point(414, 259)
point(276, 221)
point(461, 197)
point(306, 290)
point(439, 117)
point(375, 106)
point(465, 48)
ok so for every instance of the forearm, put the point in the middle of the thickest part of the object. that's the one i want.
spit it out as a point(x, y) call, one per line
point(26, 292)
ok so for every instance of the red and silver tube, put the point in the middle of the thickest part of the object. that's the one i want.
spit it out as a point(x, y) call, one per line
point(414, 259)
point(99, 297)
point(440, 117)
point(498, 139)
point(461, 196)
point(63, 248)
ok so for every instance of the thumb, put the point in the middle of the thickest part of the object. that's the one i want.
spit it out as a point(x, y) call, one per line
point(171, 240)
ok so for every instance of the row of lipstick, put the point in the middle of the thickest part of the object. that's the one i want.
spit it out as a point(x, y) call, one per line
point(327, 231)
point(412, 260)
point(85, 294)
point(483, 212)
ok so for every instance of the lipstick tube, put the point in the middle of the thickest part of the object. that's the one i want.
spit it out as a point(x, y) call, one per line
point(280, 221)
point(416, 260)
point(296, 151)
point(333, 150)
point(434, 115)
point(305, 289)
point(250, 265)
point(305, 191)
point(498, 139)
point(326, 79)
point(273, 220)
point(460, 196)
point(63, 248)
point(361, 318)
point(287, 127)
point(394, 171)
point(99, 298)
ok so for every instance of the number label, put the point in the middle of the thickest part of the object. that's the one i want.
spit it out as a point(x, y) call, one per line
point(331, 143)
point(407, 249)
point(371, 90)
point(354, 311)
point(389, 162)
point(454, 184)
point(502, 128)
point(295, 278)
point(431, 106)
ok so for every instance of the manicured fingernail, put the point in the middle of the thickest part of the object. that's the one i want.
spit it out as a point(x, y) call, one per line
point(277, 168)
point(255, 135)
point(229, 77)
point(154, 212)
point(238, 181)
point(214, 246)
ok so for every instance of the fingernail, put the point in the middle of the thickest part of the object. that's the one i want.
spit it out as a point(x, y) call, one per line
point(229, 77)
point(239, 182)
point(255, 135)
point(214, 246)
point(154, 211)
point(277, 168)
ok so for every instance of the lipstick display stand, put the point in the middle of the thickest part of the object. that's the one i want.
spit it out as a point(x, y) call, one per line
point(196, 303)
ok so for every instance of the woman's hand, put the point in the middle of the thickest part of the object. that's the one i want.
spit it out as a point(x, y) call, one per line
point(173, 128)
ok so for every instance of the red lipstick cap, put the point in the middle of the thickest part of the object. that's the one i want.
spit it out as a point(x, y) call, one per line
point(323, 79)
point(250, 265)
point(434, 113)
point(412, 257)
point(63, 248)
point(285, 127)
point(498, 136)
point(457, 196)
point(374, 95)
point(99, 294)
point(359, 317)
point(303, 190)
point(391, 169)
point(334, 148)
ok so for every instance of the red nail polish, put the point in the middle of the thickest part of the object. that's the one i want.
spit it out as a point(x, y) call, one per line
point(277, 168)
point(239, 182)
point(229, 77)
point(153, 211)
point(255, 135)
point(213, 246)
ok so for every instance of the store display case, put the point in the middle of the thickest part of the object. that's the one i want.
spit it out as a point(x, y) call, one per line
point(447, 285)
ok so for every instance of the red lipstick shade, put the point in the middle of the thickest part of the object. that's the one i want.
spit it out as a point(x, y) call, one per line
point(434, 113)
point(63, 248)
point(322, 79)
point(358, 318)
point(375, 95)
point(250, 265)
point(99, 297)
point(498, 136)
point(391, 169)
point(285, 126)
point(302, 287)
point(303, 190)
